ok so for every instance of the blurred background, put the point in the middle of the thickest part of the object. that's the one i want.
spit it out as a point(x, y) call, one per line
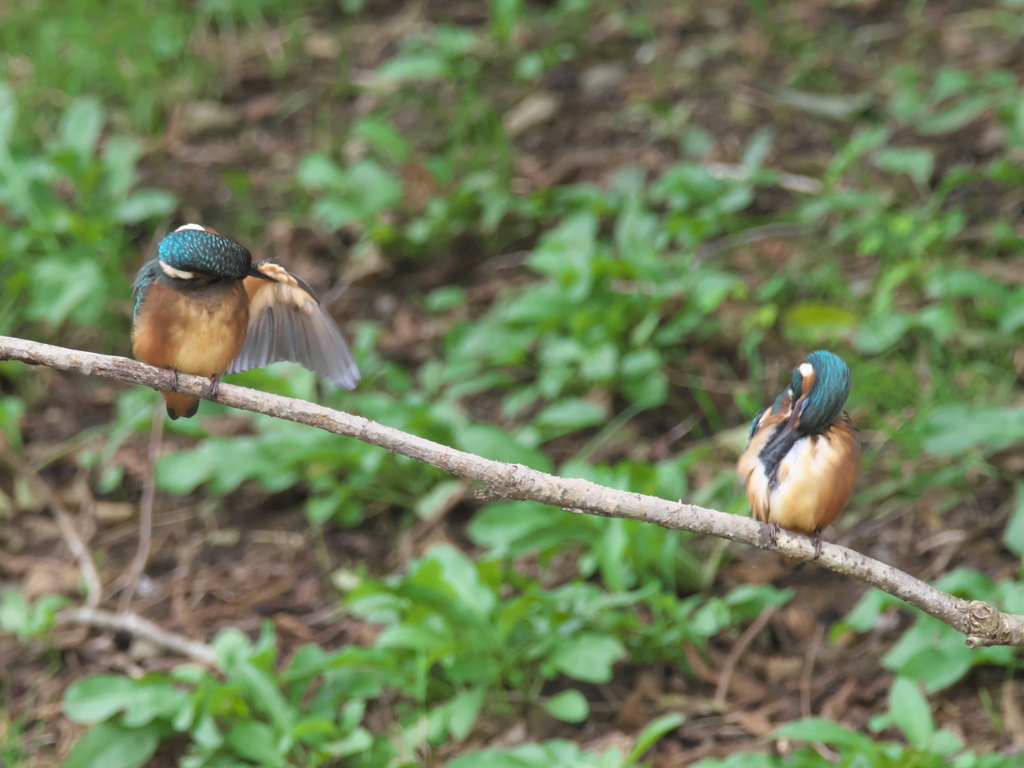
point(592, 237)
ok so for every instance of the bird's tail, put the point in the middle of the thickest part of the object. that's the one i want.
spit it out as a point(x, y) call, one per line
point(180, 405)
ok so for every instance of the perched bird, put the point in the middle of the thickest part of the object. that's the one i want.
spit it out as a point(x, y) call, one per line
point(203, 307)
point(801, 462)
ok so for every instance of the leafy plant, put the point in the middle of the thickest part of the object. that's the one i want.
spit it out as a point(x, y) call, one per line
point(66, 258)
point(909, 712)
point(300, 716)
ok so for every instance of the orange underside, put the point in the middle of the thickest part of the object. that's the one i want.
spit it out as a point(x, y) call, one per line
point(199, 334)
point(813, 482)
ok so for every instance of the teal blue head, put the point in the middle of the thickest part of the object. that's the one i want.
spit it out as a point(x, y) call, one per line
point(193, 249)
point(820, 387)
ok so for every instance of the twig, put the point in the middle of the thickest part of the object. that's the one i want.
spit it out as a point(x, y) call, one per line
point(137, 626)
point(93, 585)
point(805, 677)
point(791, 181)
point(746, 237)
point(156, 436)
point(729, 666)
point(981, 622)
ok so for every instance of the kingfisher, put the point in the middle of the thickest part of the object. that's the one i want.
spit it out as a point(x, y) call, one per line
point(203, 307)
point(801, 462)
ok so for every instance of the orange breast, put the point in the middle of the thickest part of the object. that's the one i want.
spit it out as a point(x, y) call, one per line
point(198, 332)
point(815, 480)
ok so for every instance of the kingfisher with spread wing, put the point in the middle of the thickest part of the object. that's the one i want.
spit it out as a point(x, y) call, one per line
point(203, 307)
point(801, 463)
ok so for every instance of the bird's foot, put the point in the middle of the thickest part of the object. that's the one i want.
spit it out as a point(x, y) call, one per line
point(773, 533)
point(817, 545)
point(174, 380)
point(214, 385)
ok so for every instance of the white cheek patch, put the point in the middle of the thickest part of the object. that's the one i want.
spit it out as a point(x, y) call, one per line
point(805, 368)
point(170, 271)
point(183, 227)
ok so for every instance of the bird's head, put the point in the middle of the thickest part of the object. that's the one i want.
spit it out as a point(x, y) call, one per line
point(193, 252)
point(820, 387)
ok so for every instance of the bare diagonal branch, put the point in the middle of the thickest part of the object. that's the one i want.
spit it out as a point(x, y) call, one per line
point(982, 623)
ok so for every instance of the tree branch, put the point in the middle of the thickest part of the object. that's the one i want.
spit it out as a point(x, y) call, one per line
point(982, 623)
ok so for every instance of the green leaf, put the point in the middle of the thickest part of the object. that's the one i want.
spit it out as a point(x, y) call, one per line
point(757, 148)
point(319, 171)
point(383, 137)
point(8, 116)
point(437, 497)
point(956, 117)
point(80, 126)
point(867, 610)
point(61, 288)
point(264, 693)
point(810, 322)
point(567, 254)
point(100, 697)
point(183, 472)
point(653, 733)
point(26, 619)
point(569, 706)
point(356, 742)
point(569, 415)
point(881, 332)
point(97, 698)
point(462, 577)
point(120, 156)
point(911, 713)
point(504, 14)
point(826, 731)
point(409, 69)
point(463, 710)
point(955, 429)
point(255, 741)
point(917, 163)
point(588, 657)
point(109, 745)
point(146, 204)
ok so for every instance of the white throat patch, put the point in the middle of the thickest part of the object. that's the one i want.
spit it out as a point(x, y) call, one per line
point(170, 271)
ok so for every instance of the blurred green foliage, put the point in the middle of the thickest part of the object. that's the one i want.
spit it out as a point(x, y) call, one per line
point(619, 288)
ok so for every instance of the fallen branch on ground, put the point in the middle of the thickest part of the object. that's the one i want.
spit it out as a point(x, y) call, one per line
point(136, 626)
point(65, 522)
point(981, 622)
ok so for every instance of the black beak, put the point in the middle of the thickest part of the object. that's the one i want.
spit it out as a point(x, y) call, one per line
point(793, 421)
point(254, 272)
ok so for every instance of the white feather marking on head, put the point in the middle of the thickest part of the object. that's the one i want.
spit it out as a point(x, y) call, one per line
point(170, 271)
point(806, 369)
point(183, 227)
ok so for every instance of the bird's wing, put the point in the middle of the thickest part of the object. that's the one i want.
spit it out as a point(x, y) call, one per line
point(286, 322)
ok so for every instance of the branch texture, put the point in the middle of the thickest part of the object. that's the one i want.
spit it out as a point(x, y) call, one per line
point(982, 623)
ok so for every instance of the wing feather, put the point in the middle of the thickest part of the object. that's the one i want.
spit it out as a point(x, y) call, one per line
point(286, 322)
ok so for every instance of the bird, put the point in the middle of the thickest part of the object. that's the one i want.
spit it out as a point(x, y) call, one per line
point(203, 307)
point(800, 465)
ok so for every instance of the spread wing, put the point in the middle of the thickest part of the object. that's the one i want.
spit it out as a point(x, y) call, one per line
point(286, 322)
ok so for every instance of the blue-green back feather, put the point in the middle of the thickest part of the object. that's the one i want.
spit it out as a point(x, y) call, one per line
point(148, 275)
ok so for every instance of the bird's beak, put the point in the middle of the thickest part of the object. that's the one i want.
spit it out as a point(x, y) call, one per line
point(255, 272)
point(793, 421)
